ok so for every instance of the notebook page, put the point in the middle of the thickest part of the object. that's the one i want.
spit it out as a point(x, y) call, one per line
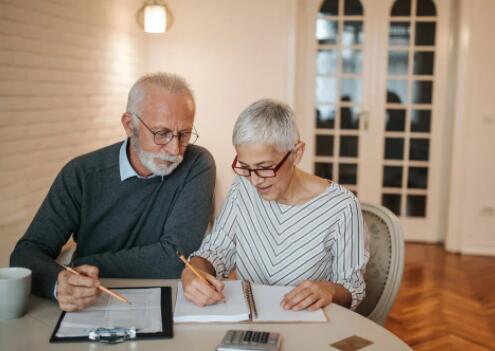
point(268, 298)
point(234, 310)
point(144, 313)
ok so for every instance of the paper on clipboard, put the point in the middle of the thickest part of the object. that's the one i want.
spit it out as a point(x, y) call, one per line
point(143, 313)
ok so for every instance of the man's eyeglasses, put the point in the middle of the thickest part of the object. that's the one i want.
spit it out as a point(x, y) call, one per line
point(260, 172)
point(165, 136)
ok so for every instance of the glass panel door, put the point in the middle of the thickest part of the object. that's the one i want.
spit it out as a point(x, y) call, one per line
point(378, 104)
point(408, 99)
point(338, 90)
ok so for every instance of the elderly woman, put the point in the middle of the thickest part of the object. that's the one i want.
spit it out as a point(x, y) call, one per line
point(280, 225)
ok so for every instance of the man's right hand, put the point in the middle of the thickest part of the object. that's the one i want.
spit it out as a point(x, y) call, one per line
point(75, 292)
point(200, 293)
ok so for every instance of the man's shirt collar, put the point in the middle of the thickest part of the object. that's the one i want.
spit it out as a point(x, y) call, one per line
point(126, 170)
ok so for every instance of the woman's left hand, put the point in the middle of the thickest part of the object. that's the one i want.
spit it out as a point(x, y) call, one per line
point(310, 294)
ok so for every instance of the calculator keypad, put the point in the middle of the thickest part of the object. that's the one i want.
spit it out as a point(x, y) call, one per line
point(250, 340)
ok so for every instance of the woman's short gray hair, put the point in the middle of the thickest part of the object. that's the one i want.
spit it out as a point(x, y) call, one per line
point(266, 121)
point(169, 81)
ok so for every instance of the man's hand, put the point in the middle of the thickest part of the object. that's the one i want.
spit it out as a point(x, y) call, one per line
point(310, 294)
point(75, 292)
point(200, 293)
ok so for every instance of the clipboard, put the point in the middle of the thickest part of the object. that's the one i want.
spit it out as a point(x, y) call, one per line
point(166, 320)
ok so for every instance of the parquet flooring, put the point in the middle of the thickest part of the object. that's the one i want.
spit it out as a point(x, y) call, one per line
point(446, 301)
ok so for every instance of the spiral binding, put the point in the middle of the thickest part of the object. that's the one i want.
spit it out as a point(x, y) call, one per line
point(249, 297)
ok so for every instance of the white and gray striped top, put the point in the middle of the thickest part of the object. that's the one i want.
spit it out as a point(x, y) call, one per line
point(276, 244)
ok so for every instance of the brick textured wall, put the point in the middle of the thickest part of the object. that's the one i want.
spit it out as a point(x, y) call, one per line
point(65, 70)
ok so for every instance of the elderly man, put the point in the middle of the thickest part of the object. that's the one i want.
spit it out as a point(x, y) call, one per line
point(129, 206)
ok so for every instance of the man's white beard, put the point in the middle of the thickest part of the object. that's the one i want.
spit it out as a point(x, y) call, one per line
point(147, 159)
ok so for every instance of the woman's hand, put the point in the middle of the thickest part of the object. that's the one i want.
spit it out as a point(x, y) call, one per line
point(310, 295)
point(200, 293)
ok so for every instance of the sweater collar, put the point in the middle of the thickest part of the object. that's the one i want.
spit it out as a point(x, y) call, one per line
point(126, 170)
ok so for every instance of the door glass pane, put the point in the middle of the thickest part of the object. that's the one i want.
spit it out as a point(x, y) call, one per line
point(425, 8)
point(422, 91)
point(348, 173)
point(324, 170)
point(353, 8)
point(324, 145)
point(423, 62)
point(419, 149)
point(394, 148)
point(392, 176)
point(417, 178)
point(325, 117)
point(396, 120)
point(399, 33)
point(420, 121)
point(348, 146)
point(392, 202)
point(425, 33)
point(352, 61)
point(326, 62)
point(350, 90)
point(401, 8)
point(353, 33)
point(416, 206)
point(326, 31)
point(349, 118)
point(396, 91)
point(326, 89)
point(398, 62)
point(330, 8)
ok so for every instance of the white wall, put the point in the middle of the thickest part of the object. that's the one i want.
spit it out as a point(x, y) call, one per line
point(472, 192)
point(65, 69)
point(232, 52)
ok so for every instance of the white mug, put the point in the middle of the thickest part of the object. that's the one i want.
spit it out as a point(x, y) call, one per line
point(15, 287)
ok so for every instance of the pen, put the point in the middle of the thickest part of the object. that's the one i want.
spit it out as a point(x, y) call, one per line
point(102, 288)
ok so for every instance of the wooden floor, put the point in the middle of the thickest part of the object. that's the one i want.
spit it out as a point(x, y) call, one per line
point(446, 301)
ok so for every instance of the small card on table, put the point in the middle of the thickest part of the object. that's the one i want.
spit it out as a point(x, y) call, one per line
point(352, 343)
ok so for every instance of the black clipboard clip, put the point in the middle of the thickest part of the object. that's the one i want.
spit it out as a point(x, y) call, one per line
point(112, 335)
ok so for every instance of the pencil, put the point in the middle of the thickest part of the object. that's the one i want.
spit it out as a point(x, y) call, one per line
point(190, 266)
point(196, 273)
point(102, 288)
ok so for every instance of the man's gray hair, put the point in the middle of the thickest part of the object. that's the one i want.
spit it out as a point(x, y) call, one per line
point(171, 82)
point(266, 121)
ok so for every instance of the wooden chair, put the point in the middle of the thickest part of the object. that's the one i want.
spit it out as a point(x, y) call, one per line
point(386, 264)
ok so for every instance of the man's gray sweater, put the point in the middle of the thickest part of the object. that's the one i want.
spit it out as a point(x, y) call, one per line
point(128, 229)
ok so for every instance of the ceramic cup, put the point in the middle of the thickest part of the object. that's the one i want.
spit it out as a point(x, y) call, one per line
point(15, 287)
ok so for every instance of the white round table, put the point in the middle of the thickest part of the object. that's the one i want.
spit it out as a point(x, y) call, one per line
point(32, 331)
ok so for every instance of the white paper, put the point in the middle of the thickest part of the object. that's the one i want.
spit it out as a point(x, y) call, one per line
point(267, 299)
point(234, 310)
point(144, 313)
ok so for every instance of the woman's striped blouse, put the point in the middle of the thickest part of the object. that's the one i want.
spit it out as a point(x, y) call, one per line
point(271, 243)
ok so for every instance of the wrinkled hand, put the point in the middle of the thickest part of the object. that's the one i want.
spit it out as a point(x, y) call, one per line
point(310, 294)
point(75, 292)
point(200, 293)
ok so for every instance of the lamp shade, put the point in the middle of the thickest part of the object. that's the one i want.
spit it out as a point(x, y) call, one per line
point(155, 18)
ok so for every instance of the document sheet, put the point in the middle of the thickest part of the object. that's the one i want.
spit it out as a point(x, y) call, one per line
point(143, 313)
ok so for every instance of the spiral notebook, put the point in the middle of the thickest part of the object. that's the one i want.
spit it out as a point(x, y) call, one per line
point(244, 302)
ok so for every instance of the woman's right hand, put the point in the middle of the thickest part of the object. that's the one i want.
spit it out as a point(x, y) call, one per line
point(199, 292)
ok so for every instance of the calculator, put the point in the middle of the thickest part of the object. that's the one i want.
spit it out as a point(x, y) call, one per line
point(250, 340)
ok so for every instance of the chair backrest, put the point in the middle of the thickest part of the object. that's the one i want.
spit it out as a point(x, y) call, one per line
point(386, 264)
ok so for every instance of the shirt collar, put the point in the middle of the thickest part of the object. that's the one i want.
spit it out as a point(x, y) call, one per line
point(126, 170)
